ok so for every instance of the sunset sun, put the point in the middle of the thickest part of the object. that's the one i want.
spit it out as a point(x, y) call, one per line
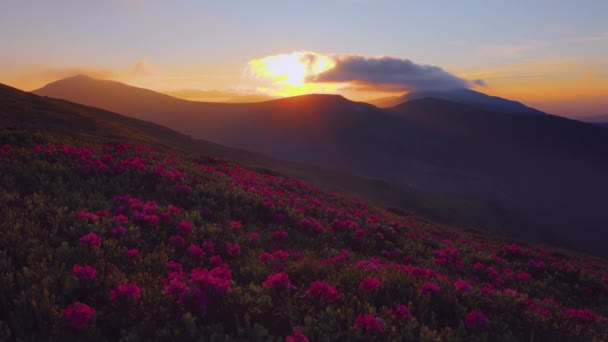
point(290, 72)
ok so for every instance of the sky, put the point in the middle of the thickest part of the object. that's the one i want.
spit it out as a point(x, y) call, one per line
point(552, 55)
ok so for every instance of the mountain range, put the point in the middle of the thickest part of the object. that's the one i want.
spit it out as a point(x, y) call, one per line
point(546, 172)
point(464, 96)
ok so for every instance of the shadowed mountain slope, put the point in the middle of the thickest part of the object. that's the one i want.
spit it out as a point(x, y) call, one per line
point(547, 171)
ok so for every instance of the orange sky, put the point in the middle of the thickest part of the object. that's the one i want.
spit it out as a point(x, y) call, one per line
point(548, 54)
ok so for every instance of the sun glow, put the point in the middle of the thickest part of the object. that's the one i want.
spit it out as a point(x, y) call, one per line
point(289, 72)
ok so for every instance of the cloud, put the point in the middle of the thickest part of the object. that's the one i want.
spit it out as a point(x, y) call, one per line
point(389, 74)
point(143, 68)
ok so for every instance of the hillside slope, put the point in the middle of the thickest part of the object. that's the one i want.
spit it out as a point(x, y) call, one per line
point(22, 109)
point(109, 241)
point(547, 172)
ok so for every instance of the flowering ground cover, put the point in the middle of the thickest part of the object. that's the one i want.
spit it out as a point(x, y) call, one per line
point(120, 242)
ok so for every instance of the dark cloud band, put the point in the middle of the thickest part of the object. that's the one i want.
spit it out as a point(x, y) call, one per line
point(388, 73)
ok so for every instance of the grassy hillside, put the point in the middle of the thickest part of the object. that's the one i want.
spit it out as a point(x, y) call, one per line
point(118, 242)
point(541, 173)
point(28, 110)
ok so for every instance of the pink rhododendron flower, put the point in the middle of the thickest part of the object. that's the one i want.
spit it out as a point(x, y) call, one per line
point(127, 290)
point(279, 235)
point(281, 254)
point(297, 336)
point(523, 276)
point(479, 266)
point(236, 225)
point(120, 218)
point(429, 288)
point(369, 284)
point(209, 246)
point(177, 240)
point(119, 231)
point(488, 290)
point(369, 323)
point(131, 253)
point(233, 249)
point(401, 312)
point(182, 188)
point(83, 215)
point(462, 286)
point(196, 251)
point(475, 320)
point(266, 257)
point(360, 234)
point(216, 279)
point(85, 272)
point(277, 280)
point(79, 314)
point(323, 291)
point(184, 227)
point(174, 267)
point(583, 315)
point(513, 249)
point(216, 260)
point(151, 220)
point(254, 237)
point(173, 210)
point(91, 240)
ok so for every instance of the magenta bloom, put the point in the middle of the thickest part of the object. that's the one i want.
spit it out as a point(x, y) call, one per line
point(401, 312)
point(236, 225)
point(209, 246)
point(79, 314)
point(475, 320)
point(173, 210)
point(462, 286)
point(583, 315)
point(323, 291)
point(233, 248)
point(85, 272)
point(118, 231)
point(513, 249)
point(297, 336)
point(177, 240)
point(254, 236)
point(369, 284)
point(127, 290)
point(523, 276)
point(216, 260)
point(175, 287)
point(277, 280)
point(151, 219)
point(131, 253)
point(184, 227)
point(174, 267)
point(429, 288)
point(369, 323)
point(266, 257)
point(279, 235)
point(196, 251)
point(120, 218)
point(479, 266)
point(84, 215)
point(216, 279)
point(91, 240)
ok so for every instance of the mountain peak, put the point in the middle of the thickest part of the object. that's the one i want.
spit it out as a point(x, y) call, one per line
point(464, 96)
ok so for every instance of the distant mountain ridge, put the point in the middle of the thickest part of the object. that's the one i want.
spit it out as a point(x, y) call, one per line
point(547, 171)
point(462, 95)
